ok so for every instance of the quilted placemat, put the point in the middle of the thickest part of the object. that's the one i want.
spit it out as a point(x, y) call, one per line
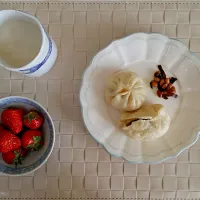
point(78, 167)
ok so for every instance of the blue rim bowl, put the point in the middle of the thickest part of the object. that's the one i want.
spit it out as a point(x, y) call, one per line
point(36, 159)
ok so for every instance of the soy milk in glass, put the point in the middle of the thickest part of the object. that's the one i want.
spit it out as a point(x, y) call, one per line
point(25, 47)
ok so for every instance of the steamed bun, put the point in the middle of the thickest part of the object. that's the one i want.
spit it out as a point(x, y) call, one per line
point(147, 123)
point(125, 91)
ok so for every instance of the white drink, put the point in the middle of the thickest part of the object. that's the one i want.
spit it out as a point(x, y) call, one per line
point(20, 42)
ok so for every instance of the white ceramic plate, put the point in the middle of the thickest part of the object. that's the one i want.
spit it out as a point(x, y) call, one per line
point(142, 53)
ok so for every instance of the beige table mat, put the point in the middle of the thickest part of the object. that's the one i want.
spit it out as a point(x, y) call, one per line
point(78, 168)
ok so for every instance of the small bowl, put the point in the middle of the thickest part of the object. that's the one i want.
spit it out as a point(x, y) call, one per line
point(35, 159)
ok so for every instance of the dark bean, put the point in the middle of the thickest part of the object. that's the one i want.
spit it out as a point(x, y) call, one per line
point(162, 71)
point(157, 74)
point(160, 88)
point(165, 97)
point(151, 85)
point(172, 80)
point(160, 76)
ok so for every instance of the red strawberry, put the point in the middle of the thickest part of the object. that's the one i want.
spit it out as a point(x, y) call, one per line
point(32, 140)
point(33, 120)
point(8, 141)
point(12, 118)
point(14, 157)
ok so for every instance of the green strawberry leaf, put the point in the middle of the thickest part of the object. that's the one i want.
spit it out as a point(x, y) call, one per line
point(16, 153)
point(37, 147)
point(30, 146)
point(18, 158)
point(37, 141)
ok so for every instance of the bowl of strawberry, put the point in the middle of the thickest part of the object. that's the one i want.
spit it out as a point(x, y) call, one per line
point(27, 135)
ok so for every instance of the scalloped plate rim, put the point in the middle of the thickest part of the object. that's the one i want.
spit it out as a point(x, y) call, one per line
point(194, 136)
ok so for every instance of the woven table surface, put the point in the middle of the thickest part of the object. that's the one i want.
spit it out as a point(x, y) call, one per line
point(78, 167)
